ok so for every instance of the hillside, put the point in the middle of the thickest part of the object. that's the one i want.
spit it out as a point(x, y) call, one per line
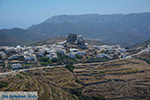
point(124, 29)
point(54, 40)
point(126, 79)
point(15, 36)
point(143, 44)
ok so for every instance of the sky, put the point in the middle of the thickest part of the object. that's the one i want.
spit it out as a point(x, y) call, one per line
point(24, 13)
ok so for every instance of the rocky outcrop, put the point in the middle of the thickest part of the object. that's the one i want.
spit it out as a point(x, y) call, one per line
point(76, 39)
point(71, 38)
point(81, 43)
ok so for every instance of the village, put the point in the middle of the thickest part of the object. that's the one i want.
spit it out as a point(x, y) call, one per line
point(72, 51)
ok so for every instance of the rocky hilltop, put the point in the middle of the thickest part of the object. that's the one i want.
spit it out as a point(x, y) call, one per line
point(76, 39)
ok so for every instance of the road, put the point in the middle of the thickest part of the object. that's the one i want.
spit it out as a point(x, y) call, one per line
point(57, 66)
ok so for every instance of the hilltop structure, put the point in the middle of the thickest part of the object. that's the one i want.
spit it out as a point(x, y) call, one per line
point(76, 39)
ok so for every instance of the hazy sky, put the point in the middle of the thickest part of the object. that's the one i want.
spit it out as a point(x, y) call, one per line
point(24, 13)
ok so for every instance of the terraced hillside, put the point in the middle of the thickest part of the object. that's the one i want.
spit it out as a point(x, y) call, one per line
point(50, 83)
point(127, 79)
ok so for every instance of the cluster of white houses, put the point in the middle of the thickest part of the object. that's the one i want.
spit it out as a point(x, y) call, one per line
point(30, 53)
point(117, 50)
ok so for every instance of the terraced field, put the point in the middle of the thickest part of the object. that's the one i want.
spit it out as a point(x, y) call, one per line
point(51, 84)
point(127, 79)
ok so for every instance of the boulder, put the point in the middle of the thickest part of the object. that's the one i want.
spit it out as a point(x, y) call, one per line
point(71, 38)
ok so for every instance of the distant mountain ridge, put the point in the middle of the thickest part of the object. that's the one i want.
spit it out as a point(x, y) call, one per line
point(123, 29)
point(17, 36)
point(126, 29)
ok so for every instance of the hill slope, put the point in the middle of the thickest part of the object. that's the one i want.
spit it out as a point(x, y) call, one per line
point(15, 36)
point(54, 40)
point(128, 79)
point(116, 28)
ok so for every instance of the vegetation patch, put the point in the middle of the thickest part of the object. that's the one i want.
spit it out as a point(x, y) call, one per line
point(3, 84)
point(70, 67)
point(28, 85)
point(78, 81)
point(18, 75)
point(101, 72)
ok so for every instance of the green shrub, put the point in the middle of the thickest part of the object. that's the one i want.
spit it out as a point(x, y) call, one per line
point(101, 72)
point(26, 65)
point(46, 63)
point(21, 77)
point(70, 67)
point(28, 85)
point(148, 61)
point(78, 81)
point(76, 92)
point(54, 60)
point(45, 53)
point(78, 56)
point(3, 84)
point(44, 74)
point(44, 59)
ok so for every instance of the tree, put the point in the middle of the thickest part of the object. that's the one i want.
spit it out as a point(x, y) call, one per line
point(70, 67)
point(44, 59)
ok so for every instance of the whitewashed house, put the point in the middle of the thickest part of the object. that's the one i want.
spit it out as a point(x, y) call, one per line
point(72, 55)
point(30, 58)
point(54, 55)
point(62, 51)
point(86, 44)
point(123, 55)
point(15, 56)
point(27, 54)
point(100, 55)
point(122, 50)
point(49, 56)
point(103, 55)
point(18, 47)
point(31, 51)
point(81, 53)
point(61, 43)
point(73, 50)
point(16, 66)
point(40, 54)
point(2, 54)
point(9, 49)
point(97, 47)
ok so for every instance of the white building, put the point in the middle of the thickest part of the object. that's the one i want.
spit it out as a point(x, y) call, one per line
point(103, 55)
point(73, 50)
point(61, 43)
point(27, 54)
point(41, 54)
point(18, 47)
point(81, 53)
point(122, 50)
point(48, 56)
point(2, 54)
point(62, 51)
point(72, 55)
point(9, 49)
point(96, 47)
point(100, 55)
point(86, 44)
point(123, 55)
point(15, 66)
point(31, 57)
point(54, 55)
point(13, 56)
